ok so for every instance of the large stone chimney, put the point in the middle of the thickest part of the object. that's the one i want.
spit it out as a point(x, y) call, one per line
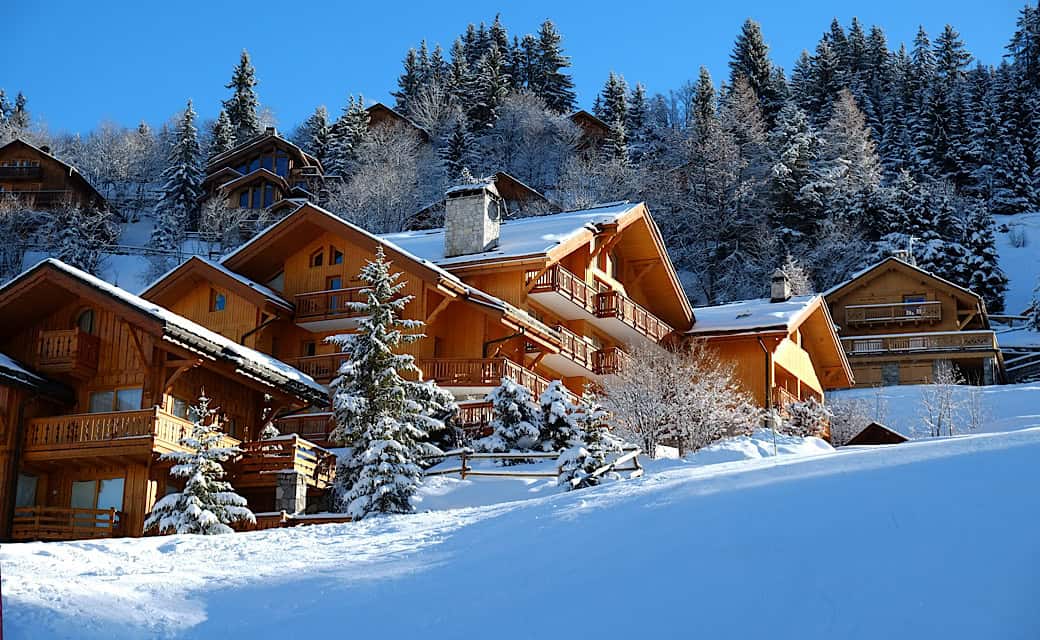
point(472, 219)
point(779, 287)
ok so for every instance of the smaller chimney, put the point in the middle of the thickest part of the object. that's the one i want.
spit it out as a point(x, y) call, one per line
point(45, 148)
point(905, 256)
point(271, 131)
point(780, 287)
point(472, 218)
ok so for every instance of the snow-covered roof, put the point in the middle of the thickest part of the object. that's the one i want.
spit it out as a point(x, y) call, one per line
point(751, 315)
point(533, 236)
point(263, 290)
point(194, 337)
point(13, 371)
point(866, 270)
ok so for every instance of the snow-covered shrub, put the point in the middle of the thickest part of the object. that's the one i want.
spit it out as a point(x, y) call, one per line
point(558, 428)
point(383, 418)
point(942, 403)
point(593, 447)
point(208, 504)
point(809, 418)
point(1033, 320)
point(516, 421)
point(1017, 236)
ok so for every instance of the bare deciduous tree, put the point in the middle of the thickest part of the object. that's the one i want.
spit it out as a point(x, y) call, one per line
point(942, 402)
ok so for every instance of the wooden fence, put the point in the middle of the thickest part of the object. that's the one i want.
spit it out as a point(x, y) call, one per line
point(466, 455)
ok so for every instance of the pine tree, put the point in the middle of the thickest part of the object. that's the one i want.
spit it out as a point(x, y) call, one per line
point(984, 275)
point(177, 207)
point(1012, 189)
point(703, 112)
point(380, 415)
point(613, 106)
point(79, 236)
point(457, 153)
point(313, 135)
point(794, 177)
point(242, 107)
point(592, 448)
point(547, 79)
point(490, 86)
point(802, 81)
point(208, 503)
point(558, 428)
point(409, 82)
point(223, 138)
point(750, 59)
point(516, 421)
point(346, 137)
point(848, 161)
point(1033, 321)
point(637, 114)
point(19, 118)
point(825, 81)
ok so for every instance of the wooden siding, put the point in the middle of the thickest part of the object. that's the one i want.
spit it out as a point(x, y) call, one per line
point(238, 317)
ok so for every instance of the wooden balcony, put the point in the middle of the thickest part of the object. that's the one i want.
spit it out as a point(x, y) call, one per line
point(575, 357)
point(322, 368)
point(315, 427)
point(67, 351)
point(782, 398)
point(114, 433)
point(928, 312)
point(571, 298)
point(329, 310)
point(42, 197)
point(608, 361)
point(262, 460)
point(64, 523)
point(479, 375)
point(475, 418)
point(939, 342)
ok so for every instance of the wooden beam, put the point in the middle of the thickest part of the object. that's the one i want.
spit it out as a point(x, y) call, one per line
point(537, 359)
point(609, 244)
point(168, 384)
point(534, 279)
point(146, 357)
point(967, 319)
point(441, 306)
point(642, 270)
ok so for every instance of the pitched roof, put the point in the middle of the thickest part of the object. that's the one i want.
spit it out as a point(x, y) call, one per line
point(391, 113)
point(72, 171)
point(15, 373)
point(521, 238)
point(752, 316)
point(902, 263)
point(269, 135)
point(184, 333)
point(242, 284)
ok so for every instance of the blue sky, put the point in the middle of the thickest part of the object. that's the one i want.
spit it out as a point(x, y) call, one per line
point(84, 62)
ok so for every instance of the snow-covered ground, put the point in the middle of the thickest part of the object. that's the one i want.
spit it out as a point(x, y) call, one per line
point(930, 539)
point(1021, 264)
point(1004, 407)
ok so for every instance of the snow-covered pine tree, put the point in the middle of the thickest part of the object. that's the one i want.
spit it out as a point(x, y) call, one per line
point(825, 81)
point(313, 135)
point(409, 82)
point(223, 138)
point(797, 201)
point(1034, 309)
point(516, 420)
point(345, 138)
point(704, 110)
point(848, 163)
point(983, 273)
point(457, 153)
point(750, 59)
point(243, 107)
point(79, 235)
point(382, 417)
point(177, 207)
point(208, 503)
point(614, 101)
point(558, 426)
point(637, 119)
point(547, 79)
point(489, 88)
point(798, 275)
point(594, 446)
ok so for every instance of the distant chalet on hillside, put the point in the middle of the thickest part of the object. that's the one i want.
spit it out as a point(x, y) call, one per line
point(42, 181)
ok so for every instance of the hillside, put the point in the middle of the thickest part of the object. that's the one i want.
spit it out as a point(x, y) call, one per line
point(928, 539)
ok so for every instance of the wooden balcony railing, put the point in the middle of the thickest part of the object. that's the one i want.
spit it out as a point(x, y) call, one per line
point(67, 351)
point(480, 372)
point(42, 197)
point(64, 523)
point(312, 426)
point(911, 342)
point(322, 368)
point(18, 173)
point(608, 361)
point(614, 304)
point(576, 347)
point(781, 398)
point(261, 459)
point(328, 305)
point(559, 280)
point(89, 429)
point(894, 312)
point(475, 417)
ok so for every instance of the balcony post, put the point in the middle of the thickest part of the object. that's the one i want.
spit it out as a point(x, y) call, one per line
point(290, 493)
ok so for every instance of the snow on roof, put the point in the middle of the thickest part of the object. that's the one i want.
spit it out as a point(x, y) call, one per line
point(523, 237)
point(877, 264)
point(472, 293)
point(11, 369)
point(186, 333)
point(751, 315)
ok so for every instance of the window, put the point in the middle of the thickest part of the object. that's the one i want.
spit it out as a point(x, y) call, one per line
point(332, 284)
point(912, 304)
point(318, 258)
point(268, 195)
point(267, 162)
point(281, 164)
point(217, 300)
point(96, 494)
point(890, 374)
point(335, 256)
point(179, 407)
point(254, 165)
point(85, 321)
point(128, 399)
point(25, 493)
point(243, 199)
point(308, 348)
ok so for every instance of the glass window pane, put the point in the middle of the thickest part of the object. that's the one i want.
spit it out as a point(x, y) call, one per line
point(243, 199)
point(180, 408)
point(255, 164)
point(128, 399)
point(101, 401)
point(110, 494)
point(85, 322)
point(83, 494)
point(266, 162)
point(282, 165)
point(268, 195)
point(25, 494)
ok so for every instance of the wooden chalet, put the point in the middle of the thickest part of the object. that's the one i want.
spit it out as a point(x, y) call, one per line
point(521, 201)
point(898, 323)
point(876, 433)
point(42, 181)
point(96, 383)
point(262, 171)
point(593, 130)
point(380, 115)
point(535, 299)
point(784, 348)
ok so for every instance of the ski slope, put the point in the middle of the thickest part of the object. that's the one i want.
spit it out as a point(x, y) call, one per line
point(931, 539)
